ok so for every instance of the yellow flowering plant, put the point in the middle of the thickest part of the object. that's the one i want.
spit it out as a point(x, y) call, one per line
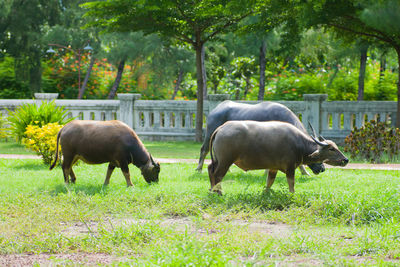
point(43, 140)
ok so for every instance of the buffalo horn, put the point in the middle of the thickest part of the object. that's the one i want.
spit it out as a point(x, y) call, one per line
point(319, 142)
point(312, 128)
point(152, 161)
point(315, 137)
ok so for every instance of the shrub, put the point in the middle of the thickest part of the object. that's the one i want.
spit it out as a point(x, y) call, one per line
point(43, 140)
point(373, 141)
point(32, 114)
point(4, 128)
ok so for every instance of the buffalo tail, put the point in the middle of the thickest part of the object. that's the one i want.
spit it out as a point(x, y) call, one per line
point(55, 160)
point(213, 160)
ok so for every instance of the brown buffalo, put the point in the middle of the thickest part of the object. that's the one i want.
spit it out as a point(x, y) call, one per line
point(97, 142)
point(264, 111)
point(273, 145)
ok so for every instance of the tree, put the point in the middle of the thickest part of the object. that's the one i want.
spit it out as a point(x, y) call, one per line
point(191, 22)
point(244, 68)
point(22, 24)
point(123, 47)
point(375, 20)
point(363, 48)
point(69, 33)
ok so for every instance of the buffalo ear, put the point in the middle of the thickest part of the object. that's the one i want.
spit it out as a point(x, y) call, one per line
point(315, 154)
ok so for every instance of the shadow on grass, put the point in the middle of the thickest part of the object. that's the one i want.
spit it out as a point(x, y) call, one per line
point(248, 178)
point(87, 189)
point(263, 200)
point(277, 198)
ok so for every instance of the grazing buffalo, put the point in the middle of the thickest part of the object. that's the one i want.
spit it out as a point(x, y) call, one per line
point(264, 111)
point(96, 142)
point(273, 145)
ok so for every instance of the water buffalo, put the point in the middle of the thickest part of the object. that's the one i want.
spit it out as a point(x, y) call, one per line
point(97, 142)
point(264, 111)
point(273, 145)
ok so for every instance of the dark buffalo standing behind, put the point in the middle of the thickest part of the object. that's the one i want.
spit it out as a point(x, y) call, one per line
point(273, 145)
point(96, 142)
point(264, 111)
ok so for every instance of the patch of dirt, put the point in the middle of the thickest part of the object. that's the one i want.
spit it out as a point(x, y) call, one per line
point(179, 224)
point(75, 259)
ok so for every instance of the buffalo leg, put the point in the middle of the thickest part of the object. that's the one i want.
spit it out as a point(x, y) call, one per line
point(203, 152)
point(72, 175)
point(67, 167)
point(66, 172)
point(110, 170)
point(271, 178)
point(216, 173)
point(290, 179)
point(125, 171)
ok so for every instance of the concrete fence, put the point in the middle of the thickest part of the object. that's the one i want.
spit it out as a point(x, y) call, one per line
point(175, 120)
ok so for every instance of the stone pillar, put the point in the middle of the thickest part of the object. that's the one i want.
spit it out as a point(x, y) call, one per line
point(313, 112)
point(127, 108)
point(214, 100)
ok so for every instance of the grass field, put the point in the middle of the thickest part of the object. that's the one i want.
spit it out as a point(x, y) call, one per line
point(185, 150)
point(341, 217)
point(190, 150)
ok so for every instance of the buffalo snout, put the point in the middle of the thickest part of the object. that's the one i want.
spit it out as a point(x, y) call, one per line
point(150, 175)
point(317, 167)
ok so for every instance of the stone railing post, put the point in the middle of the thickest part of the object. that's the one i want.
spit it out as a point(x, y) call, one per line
point(214, 100)
point(40, 97)
point(313, 112)
point(45, 96)
point(127, 108)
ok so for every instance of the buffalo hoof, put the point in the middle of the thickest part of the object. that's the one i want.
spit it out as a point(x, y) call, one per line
point(217, 191)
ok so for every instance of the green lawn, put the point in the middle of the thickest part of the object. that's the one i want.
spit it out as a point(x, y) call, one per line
point(11, 147)
point(341, 217)
point(158, 149)
point(185, 150)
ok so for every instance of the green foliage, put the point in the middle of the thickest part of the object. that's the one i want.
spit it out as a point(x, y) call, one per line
point(344, 87)
point(10, 87)
point(372, 141)
point(33, 114)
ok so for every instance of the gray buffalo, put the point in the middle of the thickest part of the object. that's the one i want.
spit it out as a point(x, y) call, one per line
point(97, 142)
point(273, 145)
point(264, 111)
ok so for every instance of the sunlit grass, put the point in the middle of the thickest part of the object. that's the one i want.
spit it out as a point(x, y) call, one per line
point(340, 217)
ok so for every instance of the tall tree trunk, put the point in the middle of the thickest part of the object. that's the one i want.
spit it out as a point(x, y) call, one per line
point(87, 76)
point(118, 78)
point(361, 76)
point(201, 87)
point(35, 72)
point(178, 83)
point(203, 56)
point(261, 91)
point(333, 76)
point(382, 67)
point(246, 89)
point(398, 88)
point(237, 93)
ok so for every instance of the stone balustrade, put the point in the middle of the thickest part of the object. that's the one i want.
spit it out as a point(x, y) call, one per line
point(175, 120)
